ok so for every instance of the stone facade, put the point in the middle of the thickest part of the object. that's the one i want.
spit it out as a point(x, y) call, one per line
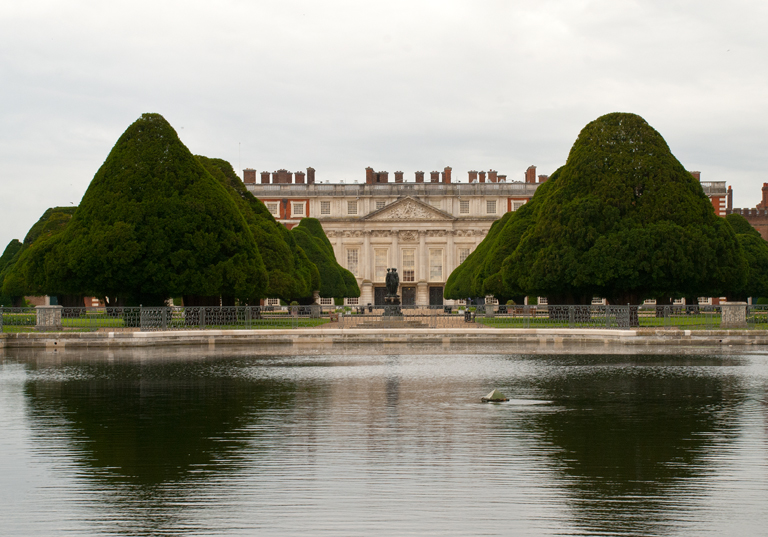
point(423, 228)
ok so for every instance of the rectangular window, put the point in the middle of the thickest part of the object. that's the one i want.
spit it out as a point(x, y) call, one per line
point(490, 206)
point(409, 265)
point(352, 207)
point(352, 256)
point(325, 207)
point(326, 301)
point(517, 204)
point(463, 255)
point(273, 208)
point(273, 302)
point(380, 205)
point(464, 206)
point(435, 264)
point(380, 265)
point(298, 209)
point(352, 301)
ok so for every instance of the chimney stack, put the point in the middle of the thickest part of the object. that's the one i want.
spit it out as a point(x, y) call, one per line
point(530, 174)
point(447, 174)
point(729, 201)
point(382, 177)
point(502, 178)
point(249, 176)
point(492, 176)
point(369, 175)
point(419, 177)
point(398, 177)
point(543, 178)
point(764, 204)
point(473, 176)
point(310, 176)
point(696, 175)
point(282, 177)
point(482, 177)
point(299, 178)
point(264, 178)
point(434, 177)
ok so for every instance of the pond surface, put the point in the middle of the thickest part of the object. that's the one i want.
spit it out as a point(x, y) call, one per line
point(231, 443)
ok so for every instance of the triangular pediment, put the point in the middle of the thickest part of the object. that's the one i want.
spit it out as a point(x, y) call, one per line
point(409, 209)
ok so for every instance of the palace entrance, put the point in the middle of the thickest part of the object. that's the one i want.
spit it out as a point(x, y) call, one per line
point(409, 295)
point(436, 296)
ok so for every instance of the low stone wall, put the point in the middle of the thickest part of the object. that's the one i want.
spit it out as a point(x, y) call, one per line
point(501, 339)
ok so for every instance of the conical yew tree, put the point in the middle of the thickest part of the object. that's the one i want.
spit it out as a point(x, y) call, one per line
point(155, 224)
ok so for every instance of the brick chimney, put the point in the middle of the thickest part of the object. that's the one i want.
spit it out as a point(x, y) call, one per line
point(530, 174)
point(419, 177)
point(249, 176)
point(310, 176)
point(447, 174)
point(492, 176)
point(299, 178)
point(381, 177)
point(369, 175)
point(729, 199)
point(434, 177)
point(282, 177)
point(482, 177)
point(473, 176)
point(398, 177)
point(764, 203)
point(543, 178)
point(264, 178)
point(502, 178)
point(696, 175)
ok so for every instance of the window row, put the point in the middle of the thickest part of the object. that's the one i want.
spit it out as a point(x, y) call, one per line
point(381, 263)
point(298, 208)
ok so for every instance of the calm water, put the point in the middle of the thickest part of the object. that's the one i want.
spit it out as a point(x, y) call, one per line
point(229, 443)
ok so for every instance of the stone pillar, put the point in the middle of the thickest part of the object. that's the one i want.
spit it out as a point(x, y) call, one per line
point(48, 318)
point(450, 257)
point(398, 177)
point(734, 315)
point(482, 177)
point(419, 177)
point(310, 176)
point(249, 176)
point(434, 177)
point(264, 178)
point(396, 253)
point(422, 287)
point(367, 257)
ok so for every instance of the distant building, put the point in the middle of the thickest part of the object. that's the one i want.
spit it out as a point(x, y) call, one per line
point(424, 228)
point(758, 216)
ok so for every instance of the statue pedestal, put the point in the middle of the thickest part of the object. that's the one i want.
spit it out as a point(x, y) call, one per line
point(392, 306)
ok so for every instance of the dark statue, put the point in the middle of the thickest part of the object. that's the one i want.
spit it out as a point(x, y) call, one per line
point(392, 281)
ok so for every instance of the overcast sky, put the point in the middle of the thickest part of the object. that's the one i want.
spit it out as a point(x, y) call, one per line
point(395, 85)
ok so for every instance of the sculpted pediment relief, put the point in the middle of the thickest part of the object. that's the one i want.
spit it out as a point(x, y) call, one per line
point(409, 209)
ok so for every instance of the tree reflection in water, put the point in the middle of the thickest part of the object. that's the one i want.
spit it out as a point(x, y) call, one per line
point(633, 436)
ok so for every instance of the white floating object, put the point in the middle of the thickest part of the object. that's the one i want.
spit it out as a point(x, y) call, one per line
point(494, 397)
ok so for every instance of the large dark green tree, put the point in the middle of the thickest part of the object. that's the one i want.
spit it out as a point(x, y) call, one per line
point(13, 278)
point(335, 280)
point(755, 251)
point(152, 224)
point(291, 274)
point(623, 220)
point(5, 262)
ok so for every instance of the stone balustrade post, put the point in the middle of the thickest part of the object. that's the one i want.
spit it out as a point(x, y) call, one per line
point(48, 318)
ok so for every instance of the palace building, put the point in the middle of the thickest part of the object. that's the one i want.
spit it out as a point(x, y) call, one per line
point(423, 228)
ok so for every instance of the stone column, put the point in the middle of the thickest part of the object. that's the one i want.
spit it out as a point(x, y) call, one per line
point(422, 288)
point(450, 256)
point(366, 255)
point(395, 253)
point(48, 318)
